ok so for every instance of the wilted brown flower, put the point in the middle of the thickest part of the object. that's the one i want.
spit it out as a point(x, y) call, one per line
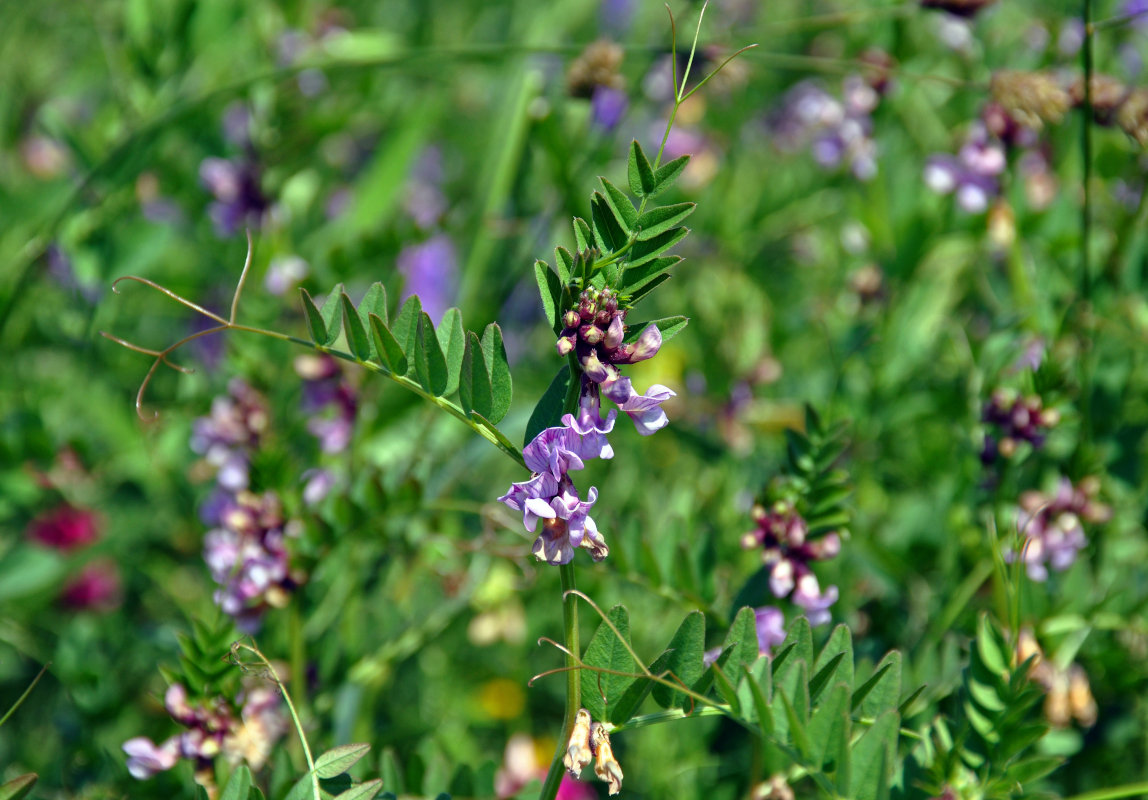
point(1108, 94)
point(1032, 98)
point(597, 66)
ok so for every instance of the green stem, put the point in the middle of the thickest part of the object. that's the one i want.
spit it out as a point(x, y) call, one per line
point(20, 700)
point(1086, 287)
point(1111, 793)
point(573, 681)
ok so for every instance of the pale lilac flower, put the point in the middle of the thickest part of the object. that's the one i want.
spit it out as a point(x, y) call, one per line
point(145, 758)
point(770, 623)
point(816, 603)
point(541, 485)
point(645, 410)
point(566, 521)
point(972, 175)
point(607, 107)
point(317, 484)
point(284, 273)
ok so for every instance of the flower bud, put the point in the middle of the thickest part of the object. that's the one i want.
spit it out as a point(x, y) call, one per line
point(565, 345)
point(578, 753)
point(591, 334)
point(648, 344)
point(571, 319)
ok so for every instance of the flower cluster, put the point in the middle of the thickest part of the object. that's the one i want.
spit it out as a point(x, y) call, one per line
point(212, 729)
point(837, 131)
point(595, 333)
point(787, 552)
point(595, 75)
point(247, 556)
point(971, 175)
point(331, 403)
point(1052, 526)
point(1015, 419)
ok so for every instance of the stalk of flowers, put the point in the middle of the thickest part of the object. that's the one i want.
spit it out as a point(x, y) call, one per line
point(248, 559)
point(214, 728)
point(1014, 419)
point(227, 437)
point(594, 335)
point(788, 551)
point(1052, 526)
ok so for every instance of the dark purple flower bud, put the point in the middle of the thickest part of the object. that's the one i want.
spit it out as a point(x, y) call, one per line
point(571, 319)
point(591, 334)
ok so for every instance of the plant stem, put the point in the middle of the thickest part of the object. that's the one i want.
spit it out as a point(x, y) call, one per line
point(20, 700)
point(573, 681)
point(1111, 793)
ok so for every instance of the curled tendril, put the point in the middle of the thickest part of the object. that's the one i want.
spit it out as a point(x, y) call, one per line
point(161, 356)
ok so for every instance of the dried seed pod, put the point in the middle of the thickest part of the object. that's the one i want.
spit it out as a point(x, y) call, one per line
point(1033, 98)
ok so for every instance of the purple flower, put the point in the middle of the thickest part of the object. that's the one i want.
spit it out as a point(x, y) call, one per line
point(589, 427)
point(645, 410)
point(1053, 526)
point(972, 174)
point(770, 622)
point(555, 451)
point(816, 603)
point(608, 106)
point(541, 485)
point(566, 522)
point(284, 273)
point(430, 270)
point(145, 759)
point(239, 201)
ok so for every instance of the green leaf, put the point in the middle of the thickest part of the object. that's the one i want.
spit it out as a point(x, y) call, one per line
point(658, 220)
point(389, 352)
point(339, 759)
point(840, 643)
point(601, 692)
point(726, 689)
point(18, 787)
point(666, 174)
point(301, 790)
point(564, 265)
point(501, 389)
point(255, 793)
point(1032, 768)
point(474, 379)
point(682, 656)
point(801, 634)
point(391, 771)
point(639, 172)
point(650, 249)
point(548, 412)
point(669, 327)
point(315, 322)
point(821, 679)
point(797, 733)
point(760, 680)
point(550, 290)
point(452, 340)
point(583, 236)
point(608, 230)
point(829, 729)
point(881, 692)
point(740, 648)
point(624, 211)
point(430, 365)
point(873, 758)
point(238, 785)
point(374, 302)
point(405, 328)
point(991, 646)
point(357, 340)
point(638, 294)
point(328, 312)
point(813, 427)
point(637, 277)
point(364, 791)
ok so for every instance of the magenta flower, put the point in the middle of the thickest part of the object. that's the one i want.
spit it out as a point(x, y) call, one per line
point(65, 528)
point(96, 588)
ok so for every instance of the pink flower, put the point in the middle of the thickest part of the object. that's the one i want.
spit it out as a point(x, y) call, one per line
point(96, 588)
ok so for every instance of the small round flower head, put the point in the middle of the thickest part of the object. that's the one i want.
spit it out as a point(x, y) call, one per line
point(1052, 526)
point(65, 528)
point(787, 551)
